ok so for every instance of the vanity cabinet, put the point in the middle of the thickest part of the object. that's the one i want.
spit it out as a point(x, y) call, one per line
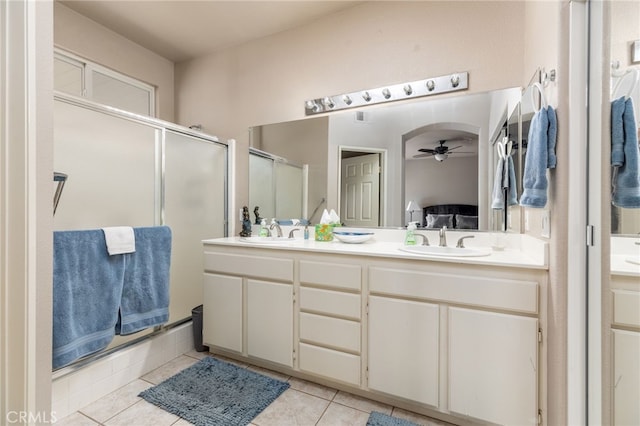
point(404, 349)
point(493, 366)
point(270, 321)
point(248, 305)
point(464, 340)
point(330, 315)
point(625, 335)
point(222, 312)
point(460, 340)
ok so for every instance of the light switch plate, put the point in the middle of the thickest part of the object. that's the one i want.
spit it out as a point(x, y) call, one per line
point(635, 52)
point(546, 224)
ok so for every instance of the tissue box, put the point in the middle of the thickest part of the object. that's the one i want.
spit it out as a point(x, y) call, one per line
point(324, 232)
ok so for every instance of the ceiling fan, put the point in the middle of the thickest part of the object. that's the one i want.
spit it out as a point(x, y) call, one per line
point(440, 153)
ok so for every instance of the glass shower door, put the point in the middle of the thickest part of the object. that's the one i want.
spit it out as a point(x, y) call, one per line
point(194, 209)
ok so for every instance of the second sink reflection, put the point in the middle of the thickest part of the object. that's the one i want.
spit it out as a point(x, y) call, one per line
point(446, 251)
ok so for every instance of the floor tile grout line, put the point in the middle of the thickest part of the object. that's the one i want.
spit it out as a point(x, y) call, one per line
point(323, 413)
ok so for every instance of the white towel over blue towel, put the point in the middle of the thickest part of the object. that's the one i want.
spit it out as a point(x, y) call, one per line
point(625, 155)
point(96, 295)
point(120, 239)
point(541, 155)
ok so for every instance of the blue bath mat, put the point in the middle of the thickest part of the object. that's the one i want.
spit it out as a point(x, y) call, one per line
point(215, 393)
point(379, 419)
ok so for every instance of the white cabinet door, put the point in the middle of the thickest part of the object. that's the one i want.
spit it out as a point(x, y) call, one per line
point(270, 321)
point(626, 376)
point(493, 366)
point(403, 349)
point(222, 312)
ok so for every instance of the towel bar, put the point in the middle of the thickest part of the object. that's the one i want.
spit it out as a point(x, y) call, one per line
point(61, 178)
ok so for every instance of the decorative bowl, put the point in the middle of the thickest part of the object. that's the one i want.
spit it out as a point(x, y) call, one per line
point(352, 235)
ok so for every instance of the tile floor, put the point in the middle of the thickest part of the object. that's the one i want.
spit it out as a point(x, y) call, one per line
point(303, 404)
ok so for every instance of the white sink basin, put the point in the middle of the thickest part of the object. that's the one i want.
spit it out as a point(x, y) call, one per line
point(268, 240)
point(634, 260)
point(445, 251)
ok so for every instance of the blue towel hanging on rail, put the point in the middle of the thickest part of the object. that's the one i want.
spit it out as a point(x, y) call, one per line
point(625, 155)
point(505, 177)
point(145, 294)
point(96, 295)
point(87, 290)
point(541, 155)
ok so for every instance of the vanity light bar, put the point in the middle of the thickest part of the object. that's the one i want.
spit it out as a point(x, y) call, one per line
point(396, 92)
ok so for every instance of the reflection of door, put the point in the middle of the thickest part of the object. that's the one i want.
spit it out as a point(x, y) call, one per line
point(360, 190)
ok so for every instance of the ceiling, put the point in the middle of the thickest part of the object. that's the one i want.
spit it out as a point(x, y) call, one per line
point(180, 30)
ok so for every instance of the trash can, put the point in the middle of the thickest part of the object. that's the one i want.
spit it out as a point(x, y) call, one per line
point(196, 318)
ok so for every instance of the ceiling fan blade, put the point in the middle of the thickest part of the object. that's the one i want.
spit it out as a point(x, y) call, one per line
point(429, 150)
point(451, 149)
point(422, 155)
point(462, 152)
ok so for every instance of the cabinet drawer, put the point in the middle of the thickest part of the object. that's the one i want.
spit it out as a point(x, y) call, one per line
point(329, 363)
point(330, 302)
point(626, 308)
point(514, 295)
point(331, 274)
point(338, 333)
point(254, 266)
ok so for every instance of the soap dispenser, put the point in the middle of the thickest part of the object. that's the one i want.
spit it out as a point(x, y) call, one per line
point(264, 231)
point(410, 238)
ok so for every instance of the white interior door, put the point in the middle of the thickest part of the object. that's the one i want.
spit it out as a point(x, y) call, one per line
point(360, 190)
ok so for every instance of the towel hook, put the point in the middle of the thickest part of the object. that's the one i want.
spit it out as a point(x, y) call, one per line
point(548, 76)
point(636, 78)
point(543, 100)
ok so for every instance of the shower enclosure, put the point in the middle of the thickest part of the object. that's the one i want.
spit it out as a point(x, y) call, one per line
point(127, 170)
point(277, 186)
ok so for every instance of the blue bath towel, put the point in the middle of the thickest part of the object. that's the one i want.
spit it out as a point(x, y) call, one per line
point(625, 156)
point(87, 289)
point(540, 156)
point(145, 294)
point(617, 132)
point(504, 179)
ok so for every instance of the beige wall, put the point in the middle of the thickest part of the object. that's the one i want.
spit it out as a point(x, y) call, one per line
point(84, 37)
point(366, 46)
point(543, 38)
point(26, 133)
point(501, 44)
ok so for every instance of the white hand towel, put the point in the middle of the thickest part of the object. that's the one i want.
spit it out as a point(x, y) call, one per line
point(120, 239)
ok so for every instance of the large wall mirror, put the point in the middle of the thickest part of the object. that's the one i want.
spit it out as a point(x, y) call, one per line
point(625, 31)
point(400, 141)
point(277, 186)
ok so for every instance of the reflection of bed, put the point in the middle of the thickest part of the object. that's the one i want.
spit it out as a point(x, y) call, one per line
point(453, 216)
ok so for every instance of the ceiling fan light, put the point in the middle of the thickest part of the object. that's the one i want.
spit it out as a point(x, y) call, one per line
point(441, 157)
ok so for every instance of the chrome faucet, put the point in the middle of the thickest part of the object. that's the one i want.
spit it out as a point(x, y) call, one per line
point(425, 240)
point(274, 224)
point(291, 233)
point(461, 241)
point(443, 236)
